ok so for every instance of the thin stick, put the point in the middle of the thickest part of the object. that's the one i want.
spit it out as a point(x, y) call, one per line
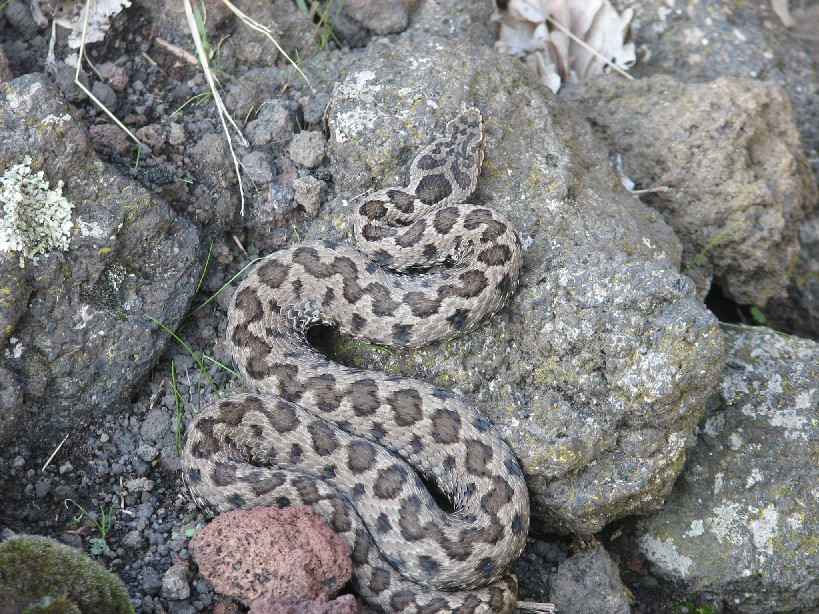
point(588, 48)
point(177, 51)
point(53, 454)
point(659, 188)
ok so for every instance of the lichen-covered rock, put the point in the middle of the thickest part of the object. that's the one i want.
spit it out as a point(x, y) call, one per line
point(43, 575)
point(285, 554)
point(730, 155)
point(74, 332)
point(597, 371)
point(742, 522)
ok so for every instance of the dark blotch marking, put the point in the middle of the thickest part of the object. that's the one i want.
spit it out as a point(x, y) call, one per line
point(428, 162)
point(373, 232)
point(329, 297)
point(430, 252)
point(382, 524)
point(357, 323)
point(474, 282)
point(262, 484)
point(307, 490)
point(361, 550)
point(390, 482)
point(413, 234)
point(328, 472)
point(194, 476)
point(496, 255)
point(505, 285)
point(323, 437)
point(284, 418)
point(445, 219)
point(380, 580)
point(478, 456)
point(282, 502)
point(446, 426)
point(236, 501)
point(308, 257)
point(500, 495)
point(517, 525)
point(428, 564)
point(363, 396)
point(361, 457)
point(295, 452)
point(404, 202)
point(272, 273)
point(459, 319)
point(223, 474)
point(378, 431)
point(407, 406)
point(297, 286)
point(485, 567)
point(433, 189)
point(247, 302)
point(373, 210)
point(421, 305)
point(383, 305)
point(401, 333)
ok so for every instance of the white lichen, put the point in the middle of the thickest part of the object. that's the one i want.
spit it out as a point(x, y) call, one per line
point(35, 218)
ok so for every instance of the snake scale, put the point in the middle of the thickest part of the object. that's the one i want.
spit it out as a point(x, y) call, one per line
point(358, 445)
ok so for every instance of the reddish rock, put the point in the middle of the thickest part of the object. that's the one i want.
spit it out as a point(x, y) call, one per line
point(284, 554)
point(108, 138)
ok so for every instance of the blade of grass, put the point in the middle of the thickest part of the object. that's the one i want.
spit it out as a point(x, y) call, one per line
point(229, 281)
point(190, 351)
point(205, 269)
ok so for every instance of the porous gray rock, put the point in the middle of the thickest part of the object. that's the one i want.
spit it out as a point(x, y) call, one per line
point(597, 371)
point(307, 148)
point(799, 312)
point(700, 43)
point(82, 339)
point(730, 155)
point(308, 192)
point(740, 526)
point(589, 582)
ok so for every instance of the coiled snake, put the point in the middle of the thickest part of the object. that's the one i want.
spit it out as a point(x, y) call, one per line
point(353, 443)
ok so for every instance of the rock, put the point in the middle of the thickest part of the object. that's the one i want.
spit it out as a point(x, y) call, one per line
point(385, 17)
point(740, 526)
point(250, 90)
point(346, 604)
point(307, 148)
point(285, 554)
point(589, 582)
point(83, 339)
point(597, 371)
point(273, 126)
point(105, 94)
point(799, 312)
point(726, 39)
point(5, 71)
point(33, 568)
point(470, 20)
point(308, 193)
point(152, 135)
point(258, 166)
point(115, 76)
point(108, 138)
point(730, 154)
point(175, 584)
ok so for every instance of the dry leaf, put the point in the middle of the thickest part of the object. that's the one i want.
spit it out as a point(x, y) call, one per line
point(99, 20)
point(526, 32)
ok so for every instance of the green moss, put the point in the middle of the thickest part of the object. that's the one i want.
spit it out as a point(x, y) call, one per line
point(38, 574)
